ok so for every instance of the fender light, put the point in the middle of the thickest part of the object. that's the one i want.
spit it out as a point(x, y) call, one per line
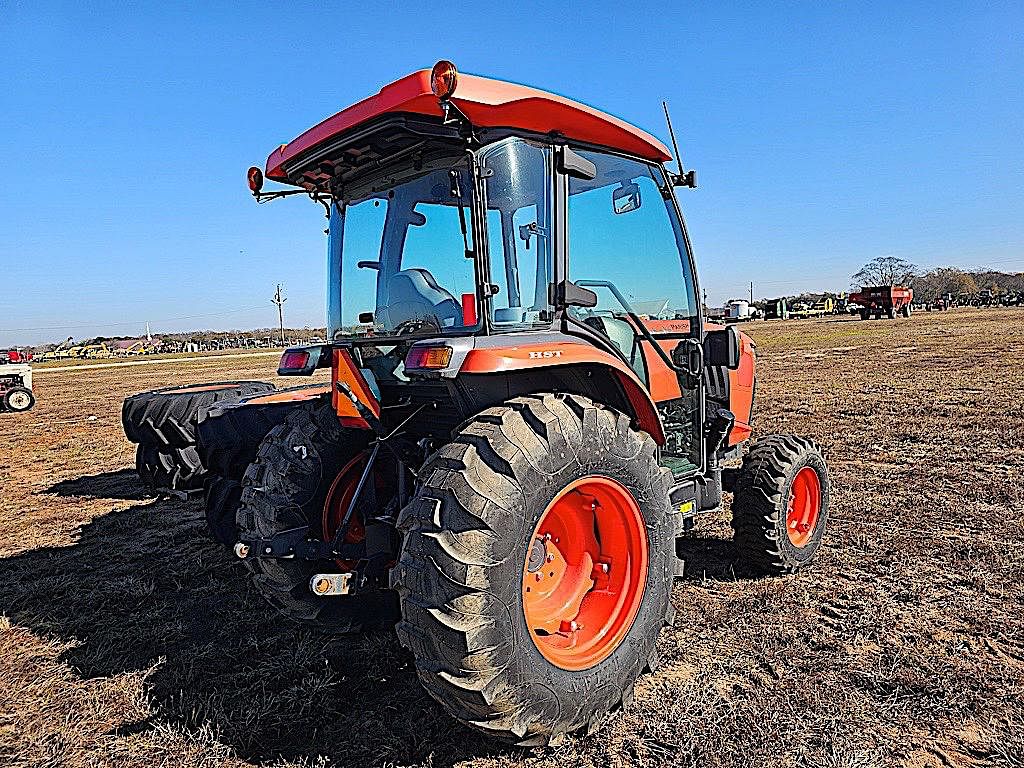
point(427, 357)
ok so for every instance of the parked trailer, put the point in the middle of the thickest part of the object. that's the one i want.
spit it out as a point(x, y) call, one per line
point(879, 300)
point(776, 309)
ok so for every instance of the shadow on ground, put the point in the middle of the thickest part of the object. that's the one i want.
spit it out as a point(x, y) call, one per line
point(150, 590)
point(122, 484)
point(707, 558)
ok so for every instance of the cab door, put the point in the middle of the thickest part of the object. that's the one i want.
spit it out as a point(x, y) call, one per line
point(626, 242)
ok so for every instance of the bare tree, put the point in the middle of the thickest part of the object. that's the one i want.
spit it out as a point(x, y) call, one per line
point(935, 283)
point(885, 270)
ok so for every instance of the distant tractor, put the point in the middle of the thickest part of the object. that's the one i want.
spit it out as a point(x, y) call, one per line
point(879, 300)
point(16, 394)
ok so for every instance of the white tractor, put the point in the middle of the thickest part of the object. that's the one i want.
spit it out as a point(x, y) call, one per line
point(16, 381)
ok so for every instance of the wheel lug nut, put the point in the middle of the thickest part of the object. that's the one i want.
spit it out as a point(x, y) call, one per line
point(550, 557)
point(539, 576)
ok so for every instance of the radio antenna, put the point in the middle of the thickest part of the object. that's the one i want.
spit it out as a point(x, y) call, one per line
point(689, 178)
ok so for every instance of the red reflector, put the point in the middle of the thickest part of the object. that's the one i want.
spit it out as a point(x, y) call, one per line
point(468, 310)
point(294, 360)
point(421, 357)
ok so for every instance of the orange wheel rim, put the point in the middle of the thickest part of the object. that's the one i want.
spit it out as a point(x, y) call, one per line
point(340, 495)
point(804, 506)
point(585, 572)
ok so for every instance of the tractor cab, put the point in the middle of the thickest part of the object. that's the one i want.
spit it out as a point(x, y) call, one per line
point(489, 239)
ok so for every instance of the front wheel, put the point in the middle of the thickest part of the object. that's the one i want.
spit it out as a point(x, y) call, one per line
point(19, 399)
point(780, 504)
point(536, 567)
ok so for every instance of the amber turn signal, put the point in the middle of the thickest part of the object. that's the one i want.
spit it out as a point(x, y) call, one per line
point(426, 357)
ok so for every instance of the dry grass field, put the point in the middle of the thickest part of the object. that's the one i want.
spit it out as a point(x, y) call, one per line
point(127, 638)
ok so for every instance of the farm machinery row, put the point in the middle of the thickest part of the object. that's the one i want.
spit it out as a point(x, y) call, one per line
point(507, 448)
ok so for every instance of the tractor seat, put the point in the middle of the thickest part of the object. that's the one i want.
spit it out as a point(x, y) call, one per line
point(414, 294)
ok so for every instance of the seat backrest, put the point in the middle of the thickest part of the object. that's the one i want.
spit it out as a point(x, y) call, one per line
point(414, 294)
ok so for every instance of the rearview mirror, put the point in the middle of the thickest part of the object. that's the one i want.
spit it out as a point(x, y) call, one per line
point(722, 347)
point(626, 198)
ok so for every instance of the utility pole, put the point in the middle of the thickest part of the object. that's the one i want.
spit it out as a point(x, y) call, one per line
point(279, 300)
point(751, 291)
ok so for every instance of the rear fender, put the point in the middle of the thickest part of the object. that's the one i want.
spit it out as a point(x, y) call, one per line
point(563, 357)
point(742, 382)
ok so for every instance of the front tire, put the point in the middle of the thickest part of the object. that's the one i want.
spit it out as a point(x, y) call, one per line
point(19, 399)
point(780, 505)
point(480, 533)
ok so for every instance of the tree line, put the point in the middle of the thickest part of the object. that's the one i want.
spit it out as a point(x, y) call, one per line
point(932, 284)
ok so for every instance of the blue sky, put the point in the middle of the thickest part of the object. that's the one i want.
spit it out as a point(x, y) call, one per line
point(824, 134)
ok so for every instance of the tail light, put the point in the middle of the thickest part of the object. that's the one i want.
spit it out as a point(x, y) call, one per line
point(427, 357)
point(302, 361)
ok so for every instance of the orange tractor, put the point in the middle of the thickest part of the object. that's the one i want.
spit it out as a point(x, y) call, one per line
point(526, 407)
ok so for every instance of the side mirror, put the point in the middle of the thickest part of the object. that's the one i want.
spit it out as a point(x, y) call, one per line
point(571, 295)
point(722, 347)
point(626, 198)
point(576, 165)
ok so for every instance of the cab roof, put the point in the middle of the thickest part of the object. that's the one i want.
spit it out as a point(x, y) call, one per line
point(488, 104)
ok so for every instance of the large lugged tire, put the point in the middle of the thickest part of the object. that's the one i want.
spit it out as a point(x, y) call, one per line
point(476, 543)
point(221, 497)
point(287, 487)
point(161, 471)
point(167, 417)
point(229, 434)
point(780, 504)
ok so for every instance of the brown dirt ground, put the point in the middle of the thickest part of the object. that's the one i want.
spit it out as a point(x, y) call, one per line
point(126, 638)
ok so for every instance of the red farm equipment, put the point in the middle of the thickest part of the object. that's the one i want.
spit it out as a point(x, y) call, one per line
point(879, 300)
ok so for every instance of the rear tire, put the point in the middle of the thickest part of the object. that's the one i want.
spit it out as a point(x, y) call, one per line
point(221, 497)
point(905, 311)
point(469, 554)
point(771, 534)
point(286, 487)
point(865, 314)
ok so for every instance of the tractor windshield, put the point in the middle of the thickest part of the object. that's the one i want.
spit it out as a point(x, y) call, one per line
point(401, 254)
